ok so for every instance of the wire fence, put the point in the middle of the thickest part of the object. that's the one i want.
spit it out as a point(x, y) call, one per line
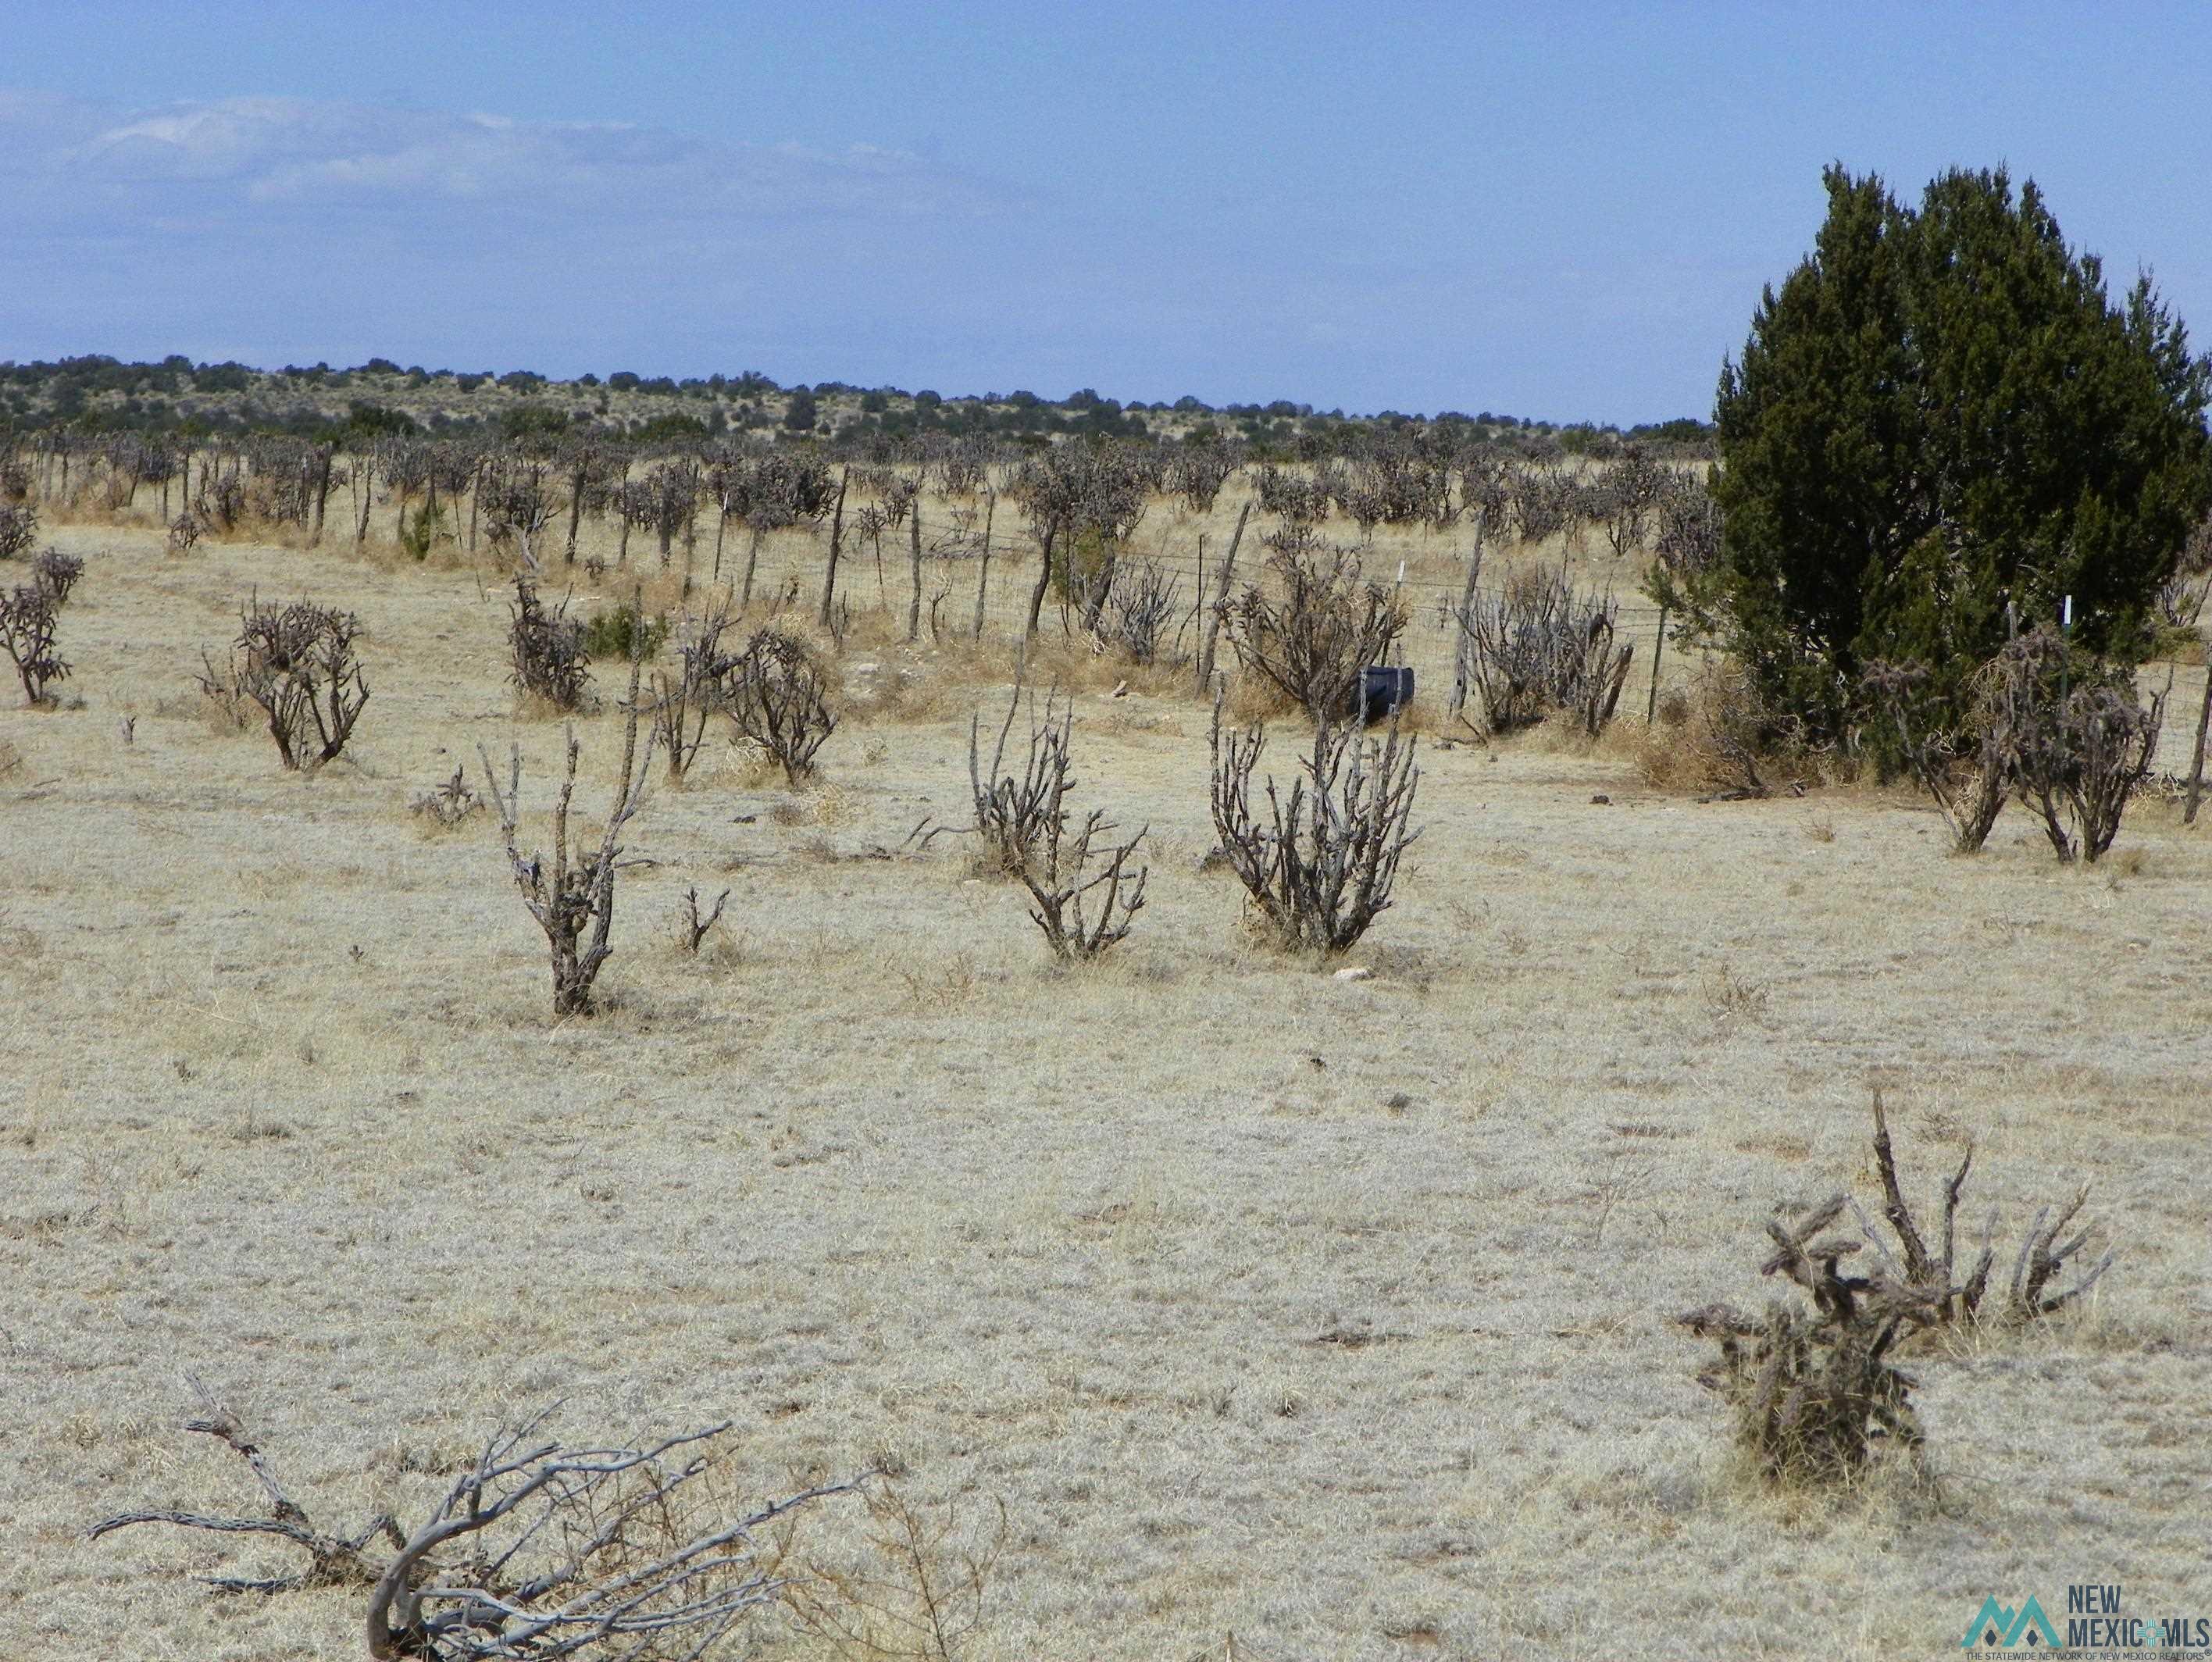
point(875, 586)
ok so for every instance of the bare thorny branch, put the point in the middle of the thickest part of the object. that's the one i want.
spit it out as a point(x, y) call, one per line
point(539, 1551)
point(917, 1593)
point(1313, 631)
point(332, 1561)
point(1932, 1271)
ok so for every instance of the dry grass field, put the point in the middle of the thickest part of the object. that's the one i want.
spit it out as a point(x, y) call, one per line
point(1288, 1317)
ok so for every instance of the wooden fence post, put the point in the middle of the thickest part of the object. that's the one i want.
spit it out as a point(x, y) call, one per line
point(2197, 763)
point(983, 578)
point(1658, 651)
point(914, 545)
point(836, 537)
point(1221, 598)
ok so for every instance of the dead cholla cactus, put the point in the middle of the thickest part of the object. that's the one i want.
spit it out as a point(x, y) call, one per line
point(1311, 631)
point(1065, 874)
point(1321, 866)
point(780, 701)
point(448, 805)
point(19, 530)
point(185, 532)
point(1294, 499)
point(518, 506)
point(297, 663)
point(1814, 1392)
point(29, 619)
point(1069, 874)
point(2074, 743)
point(1688, 538)
point(56, 574)
point(547, 648)
point(1964, 773)
point(1011, 813)
point(703, 686)
point(1196, 472)
point(1023, 825)
point(572, 900)
point(694, 927)
point(1140, 604)
point(2113, 739)
point(1535, 647)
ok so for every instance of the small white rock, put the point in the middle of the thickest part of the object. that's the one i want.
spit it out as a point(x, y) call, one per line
point(1357, 973)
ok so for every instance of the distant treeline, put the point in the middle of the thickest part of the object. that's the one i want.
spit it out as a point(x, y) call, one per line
point(100, 394)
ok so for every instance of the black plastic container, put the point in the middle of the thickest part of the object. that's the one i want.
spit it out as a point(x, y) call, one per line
point(1383, 691)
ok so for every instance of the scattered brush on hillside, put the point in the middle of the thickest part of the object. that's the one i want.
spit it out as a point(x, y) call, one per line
point(539, 1550)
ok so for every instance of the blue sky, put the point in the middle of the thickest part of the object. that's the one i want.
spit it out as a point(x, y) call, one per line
point(1415, 208)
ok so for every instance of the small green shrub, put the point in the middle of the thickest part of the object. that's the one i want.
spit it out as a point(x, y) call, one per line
point(419, 535)
point(608, 635)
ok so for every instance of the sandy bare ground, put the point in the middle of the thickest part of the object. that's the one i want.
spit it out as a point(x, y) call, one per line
point(1328, 1316)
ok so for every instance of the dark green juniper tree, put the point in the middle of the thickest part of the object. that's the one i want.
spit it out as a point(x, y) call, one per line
point(1939, 412)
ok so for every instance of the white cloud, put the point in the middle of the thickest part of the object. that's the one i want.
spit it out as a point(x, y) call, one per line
point(314, 227)
point(243, 155)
